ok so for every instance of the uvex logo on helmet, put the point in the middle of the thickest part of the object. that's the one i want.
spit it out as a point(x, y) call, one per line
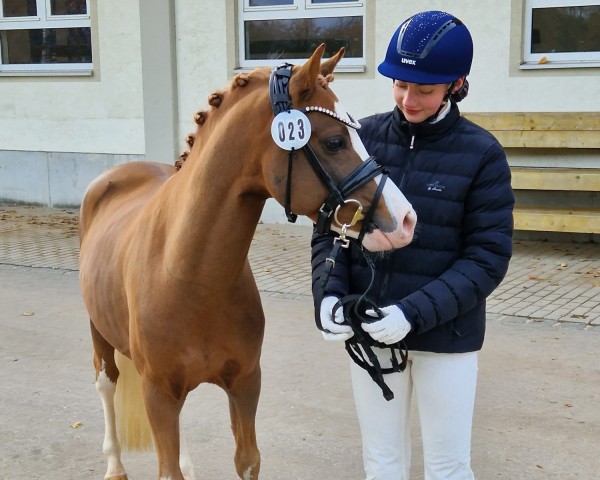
point(429, 48)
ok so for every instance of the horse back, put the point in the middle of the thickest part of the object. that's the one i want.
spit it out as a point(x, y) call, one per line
point(121, 192)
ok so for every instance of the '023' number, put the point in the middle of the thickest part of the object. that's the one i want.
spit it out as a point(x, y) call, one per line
point(291, 137)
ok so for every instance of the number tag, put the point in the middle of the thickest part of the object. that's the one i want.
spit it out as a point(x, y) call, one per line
point(291, 129)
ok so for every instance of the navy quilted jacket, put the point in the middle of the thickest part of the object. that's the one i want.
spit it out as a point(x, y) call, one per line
point(457, 178)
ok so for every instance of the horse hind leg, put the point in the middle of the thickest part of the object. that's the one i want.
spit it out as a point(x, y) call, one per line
point(243, 396)
point(106, 384)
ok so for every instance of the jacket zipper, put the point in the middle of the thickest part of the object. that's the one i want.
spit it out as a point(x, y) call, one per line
point(383, 287)
point(412, 133)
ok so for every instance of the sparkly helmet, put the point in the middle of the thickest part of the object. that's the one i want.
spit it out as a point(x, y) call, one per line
point(429, 48)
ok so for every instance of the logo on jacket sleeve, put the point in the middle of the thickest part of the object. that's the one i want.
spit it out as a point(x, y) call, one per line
point(435, 187)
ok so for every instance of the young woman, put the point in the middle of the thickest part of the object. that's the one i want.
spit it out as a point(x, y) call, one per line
point(432, 292)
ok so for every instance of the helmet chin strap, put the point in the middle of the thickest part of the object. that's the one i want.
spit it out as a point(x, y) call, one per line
point(449, 92)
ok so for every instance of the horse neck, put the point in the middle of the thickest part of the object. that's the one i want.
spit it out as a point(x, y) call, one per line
point(220, 195)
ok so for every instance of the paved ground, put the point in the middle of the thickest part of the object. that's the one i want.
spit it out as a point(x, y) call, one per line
point(556, 282)
point(537, 414)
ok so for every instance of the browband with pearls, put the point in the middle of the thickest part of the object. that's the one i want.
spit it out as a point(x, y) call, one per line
point(351, 123)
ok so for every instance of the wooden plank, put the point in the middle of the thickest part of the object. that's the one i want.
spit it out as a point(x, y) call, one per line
point(541, 121)
point(543, 129)
point(557, 220)
point(546, 139)
point(567, 179)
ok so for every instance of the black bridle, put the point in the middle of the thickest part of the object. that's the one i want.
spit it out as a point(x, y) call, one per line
point(369, 169)
point(360, 345)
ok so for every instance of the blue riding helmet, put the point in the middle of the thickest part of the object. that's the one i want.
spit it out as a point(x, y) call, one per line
point(429, 48)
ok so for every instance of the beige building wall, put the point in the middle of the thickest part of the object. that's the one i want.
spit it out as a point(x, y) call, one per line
point(65, 130)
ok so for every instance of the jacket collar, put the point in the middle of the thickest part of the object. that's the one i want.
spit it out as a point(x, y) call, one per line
point(425, 131)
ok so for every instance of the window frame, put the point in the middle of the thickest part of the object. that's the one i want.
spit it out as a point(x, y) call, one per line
point(554, 60)
point(299, 9)
point(44, 19)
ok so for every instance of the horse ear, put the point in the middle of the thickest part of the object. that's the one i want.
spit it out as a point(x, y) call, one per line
point(328, 66)
point(308, 73)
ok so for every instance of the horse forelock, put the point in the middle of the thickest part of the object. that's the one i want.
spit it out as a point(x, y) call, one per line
point(325, 81)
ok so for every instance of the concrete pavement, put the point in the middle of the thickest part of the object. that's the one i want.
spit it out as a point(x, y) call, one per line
point(536, 417)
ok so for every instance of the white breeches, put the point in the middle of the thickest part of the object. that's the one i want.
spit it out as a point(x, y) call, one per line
point(444, 388)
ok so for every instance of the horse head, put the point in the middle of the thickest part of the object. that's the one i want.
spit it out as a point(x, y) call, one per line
point(328, 175)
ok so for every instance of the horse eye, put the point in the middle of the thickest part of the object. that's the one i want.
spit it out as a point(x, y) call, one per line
point(334, 143)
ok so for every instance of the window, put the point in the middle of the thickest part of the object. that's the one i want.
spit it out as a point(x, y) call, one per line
point(45, 37)
point(561, 33)
point(274, 31)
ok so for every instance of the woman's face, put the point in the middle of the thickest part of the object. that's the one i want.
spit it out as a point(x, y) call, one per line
point(419, 102)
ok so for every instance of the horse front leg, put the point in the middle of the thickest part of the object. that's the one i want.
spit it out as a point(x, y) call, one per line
point(106, 384)
point(163, 409)
point(243, 402)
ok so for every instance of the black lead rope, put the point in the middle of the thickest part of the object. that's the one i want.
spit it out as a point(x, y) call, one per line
point(354, 307)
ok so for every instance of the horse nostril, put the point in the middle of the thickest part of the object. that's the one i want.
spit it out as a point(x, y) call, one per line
point(409, 222)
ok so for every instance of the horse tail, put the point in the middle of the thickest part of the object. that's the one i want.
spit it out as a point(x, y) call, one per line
point(132, 421)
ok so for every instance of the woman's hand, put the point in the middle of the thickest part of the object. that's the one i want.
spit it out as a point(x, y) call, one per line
point(392, 328)
point(332, 328)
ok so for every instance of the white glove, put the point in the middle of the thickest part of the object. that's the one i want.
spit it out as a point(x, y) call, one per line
point(332, 328)
point(390, 329)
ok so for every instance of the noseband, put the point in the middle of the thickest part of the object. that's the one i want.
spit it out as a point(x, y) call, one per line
point(369, 169)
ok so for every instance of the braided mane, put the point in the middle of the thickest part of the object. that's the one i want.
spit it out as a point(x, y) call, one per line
point(216, 100)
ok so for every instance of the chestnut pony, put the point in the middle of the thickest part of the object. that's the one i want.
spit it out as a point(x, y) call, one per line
point(164, 271)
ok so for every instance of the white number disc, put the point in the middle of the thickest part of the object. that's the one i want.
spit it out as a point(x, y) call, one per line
point(291, 130)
